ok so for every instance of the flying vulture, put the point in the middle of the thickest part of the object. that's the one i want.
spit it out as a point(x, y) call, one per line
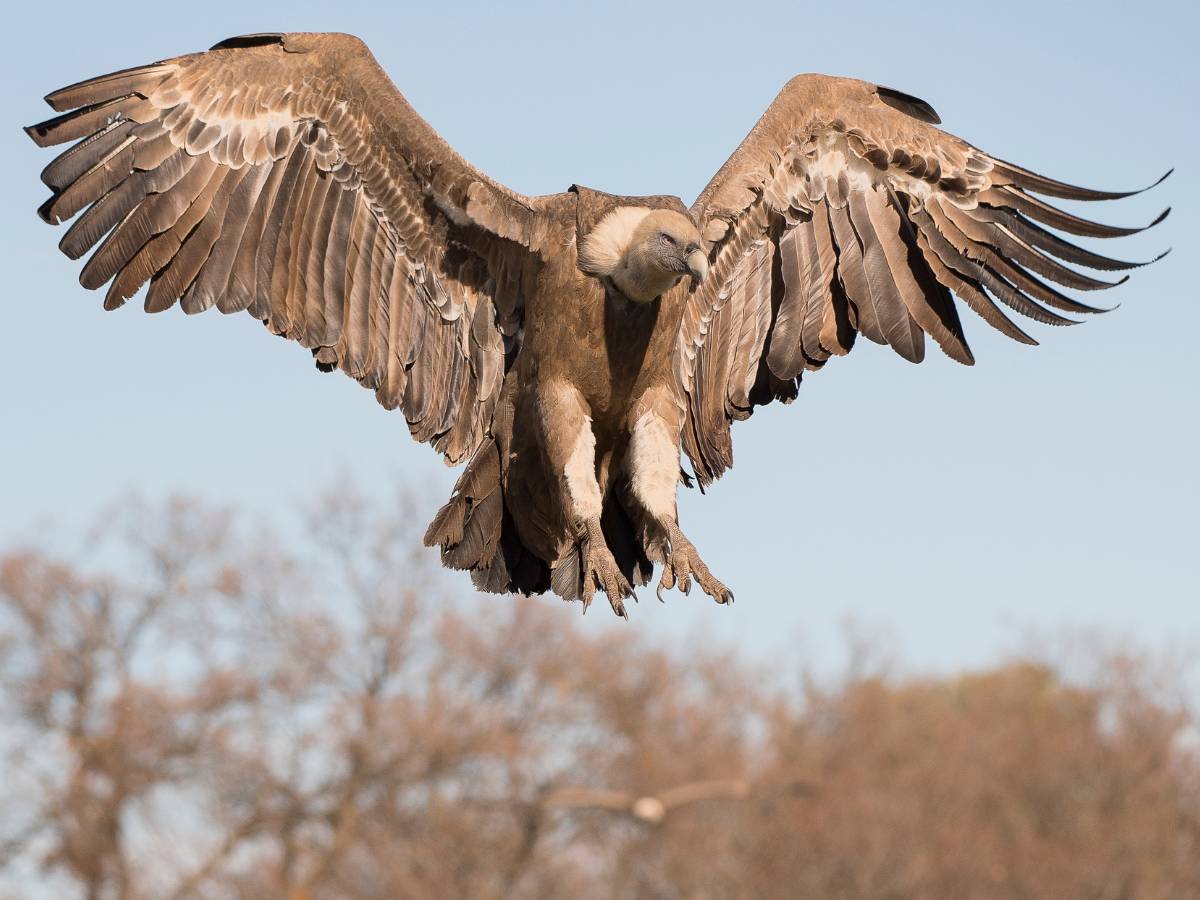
point(565, 347)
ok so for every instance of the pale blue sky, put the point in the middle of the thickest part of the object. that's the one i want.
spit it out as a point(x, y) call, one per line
point(947, 509)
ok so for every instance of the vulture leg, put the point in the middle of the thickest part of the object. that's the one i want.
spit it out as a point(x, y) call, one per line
point(570, 448)
point(652, 465)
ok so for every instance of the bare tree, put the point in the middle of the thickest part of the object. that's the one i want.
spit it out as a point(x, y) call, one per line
point(196, 708)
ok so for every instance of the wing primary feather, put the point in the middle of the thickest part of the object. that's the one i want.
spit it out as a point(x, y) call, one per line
point(140, 79)
point(1006, 281)
point(1056, 218)
point(103, 215)
point(1035, 236)
point(92, 184)
point(72, 163)
point(1014, 299)
point(1022, 253)
point(127, 255)
point(1032, 181)
point(82, 122)
point(959, 274)
point(928, 304)
point(1037, 288)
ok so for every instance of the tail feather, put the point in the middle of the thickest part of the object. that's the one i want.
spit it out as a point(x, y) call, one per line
point(475, 532)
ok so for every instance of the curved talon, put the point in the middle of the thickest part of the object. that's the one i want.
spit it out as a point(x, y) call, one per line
point(667, 581)
point(683, 564)
point(587, 594)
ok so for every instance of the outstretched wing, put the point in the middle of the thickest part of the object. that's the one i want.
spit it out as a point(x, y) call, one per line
point(285, 175)
point(845, 211)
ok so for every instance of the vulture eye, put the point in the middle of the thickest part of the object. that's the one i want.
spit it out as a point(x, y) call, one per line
point(667, 239)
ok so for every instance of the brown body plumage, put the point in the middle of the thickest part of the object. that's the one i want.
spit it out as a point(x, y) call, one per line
point(564, 346)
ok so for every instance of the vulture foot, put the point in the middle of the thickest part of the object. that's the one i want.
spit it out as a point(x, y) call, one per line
point(601, 572)
point(683, 564)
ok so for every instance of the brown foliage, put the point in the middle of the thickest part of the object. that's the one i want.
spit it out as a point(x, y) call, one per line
point(194, 712)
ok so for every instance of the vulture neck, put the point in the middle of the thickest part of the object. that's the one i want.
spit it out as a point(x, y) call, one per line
point(611, 253)
point(640, 281)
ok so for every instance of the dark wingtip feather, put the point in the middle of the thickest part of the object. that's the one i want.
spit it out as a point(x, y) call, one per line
point(1035, 208)
point(105, 87)
point(1087, 310)
point(43, 211)
point(1028, 231)
point(908, 104)
point(37, 133)
point(241, 41)
point(1041, 184)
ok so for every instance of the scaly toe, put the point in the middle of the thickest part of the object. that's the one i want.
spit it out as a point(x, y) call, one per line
point(617, 591)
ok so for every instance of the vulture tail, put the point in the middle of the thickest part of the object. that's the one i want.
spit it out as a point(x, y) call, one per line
point(475, 531)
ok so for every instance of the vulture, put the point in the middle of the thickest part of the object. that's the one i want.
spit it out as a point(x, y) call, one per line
point(567, 348)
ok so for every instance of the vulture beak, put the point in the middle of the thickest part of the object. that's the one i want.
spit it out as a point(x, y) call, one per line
point(697, 264)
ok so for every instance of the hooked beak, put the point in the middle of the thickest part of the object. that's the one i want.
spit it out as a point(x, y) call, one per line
point(697, 264)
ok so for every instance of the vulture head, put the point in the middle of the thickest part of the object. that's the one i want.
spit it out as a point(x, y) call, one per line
point(644, 251)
